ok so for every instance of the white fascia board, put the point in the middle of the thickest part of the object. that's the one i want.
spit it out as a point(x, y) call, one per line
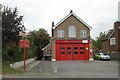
point(111, 34)
point(46, 46)
point(68, 17)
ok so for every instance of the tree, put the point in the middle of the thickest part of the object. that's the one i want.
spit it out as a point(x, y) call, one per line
point(11, 25)
point(98, 42)
point(41, 39)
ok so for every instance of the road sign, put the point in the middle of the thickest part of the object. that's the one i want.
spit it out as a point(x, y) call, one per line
point(24, 44)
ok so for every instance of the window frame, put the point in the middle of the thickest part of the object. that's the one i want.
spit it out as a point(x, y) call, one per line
point(68, 48)
point(112, 41)
point(62, 48)
point(75, 52)
point(72, 31)
point(83, 33)
point(62, 52)
point(60, 33)
point(81, 52)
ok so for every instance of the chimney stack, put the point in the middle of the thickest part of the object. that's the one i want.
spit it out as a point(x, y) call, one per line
point(117, 24)
point(52, 29)
point(52, 24)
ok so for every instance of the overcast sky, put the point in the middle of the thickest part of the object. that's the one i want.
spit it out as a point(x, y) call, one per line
point(99, 14)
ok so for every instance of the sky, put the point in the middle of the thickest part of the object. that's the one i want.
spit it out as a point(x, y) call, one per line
point(99, 14)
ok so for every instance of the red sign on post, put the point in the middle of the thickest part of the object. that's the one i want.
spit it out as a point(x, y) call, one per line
point(24, 43)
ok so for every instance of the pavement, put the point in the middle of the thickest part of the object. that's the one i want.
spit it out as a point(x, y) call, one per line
point(19, 64)
point(31, 65)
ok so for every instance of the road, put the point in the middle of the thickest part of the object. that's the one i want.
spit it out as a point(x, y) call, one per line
point(71, 69)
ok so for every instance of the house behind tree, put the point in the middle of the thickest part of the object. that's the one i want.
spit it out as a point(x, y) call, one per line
point(111, 42)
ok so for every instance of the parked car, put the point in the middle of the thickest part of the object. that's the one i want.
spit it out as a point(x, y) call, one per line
point(101, 56)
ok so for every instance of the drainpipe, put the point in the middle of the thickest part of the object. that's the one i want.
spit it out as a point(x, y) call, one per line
point(52, 29)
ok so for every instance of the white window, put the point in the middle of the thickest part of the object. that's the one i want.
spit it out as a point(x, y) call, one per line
point(72, 31)
point(60, 33)
point(112, 41)
point(83, 33)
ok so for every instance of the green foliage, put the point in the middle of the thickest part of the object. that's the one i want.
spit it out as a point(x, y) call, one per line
point(11, 55)
point(98, 42)
point(41, 38)
point(11, 25)
point(9, 70)
point(31, 52)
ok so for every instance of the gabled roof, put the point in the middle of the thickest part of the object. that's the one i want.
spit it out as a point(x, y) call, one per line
point(109, 34)
point(46, 46)
point(72, 14)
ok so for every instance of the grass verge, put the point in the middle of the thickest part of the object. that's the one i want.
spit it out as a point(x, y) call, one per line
point(9, 70)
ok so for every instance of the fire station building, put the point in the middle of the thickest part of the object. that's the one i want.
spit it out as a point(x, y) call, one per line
point(70, 39)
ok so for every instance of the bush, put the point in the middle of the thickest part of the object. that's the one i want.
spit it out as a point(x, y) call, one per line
point(30, 53)
point(11, 55)
point(17, 54)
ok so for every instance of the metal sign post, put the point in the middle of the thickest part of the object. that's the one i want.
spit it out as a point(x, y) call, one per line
point(24, 59)
point(24, 44)
point(24, 54)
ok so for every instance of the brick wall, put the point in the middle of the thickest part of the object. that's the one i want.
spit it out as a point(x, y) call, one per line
point(71, 21)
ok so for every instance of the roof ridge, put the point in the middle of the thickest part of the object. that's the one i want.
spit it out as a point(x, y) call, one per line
point(66, 17)
point(109, 34)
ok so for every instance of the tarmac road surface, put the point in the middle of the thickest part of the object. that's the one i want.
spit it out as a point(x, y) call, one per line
point(71, 69)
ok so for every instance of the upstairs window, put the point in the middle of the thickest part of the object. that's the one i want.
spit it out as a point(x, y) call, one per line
point(72, 31)
point(60, 33)
point(112, 41)
point(83, 33)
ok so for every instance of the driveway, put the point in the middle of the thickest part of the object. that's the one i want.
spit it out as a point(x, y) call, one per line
point(73, 69)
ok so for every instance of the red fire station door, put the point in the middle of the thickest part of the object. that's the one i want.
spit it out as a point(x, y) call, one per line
point(62, 52)
point(72, 51)
point(82, 51)
point(69, 52)
point(75, 52)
